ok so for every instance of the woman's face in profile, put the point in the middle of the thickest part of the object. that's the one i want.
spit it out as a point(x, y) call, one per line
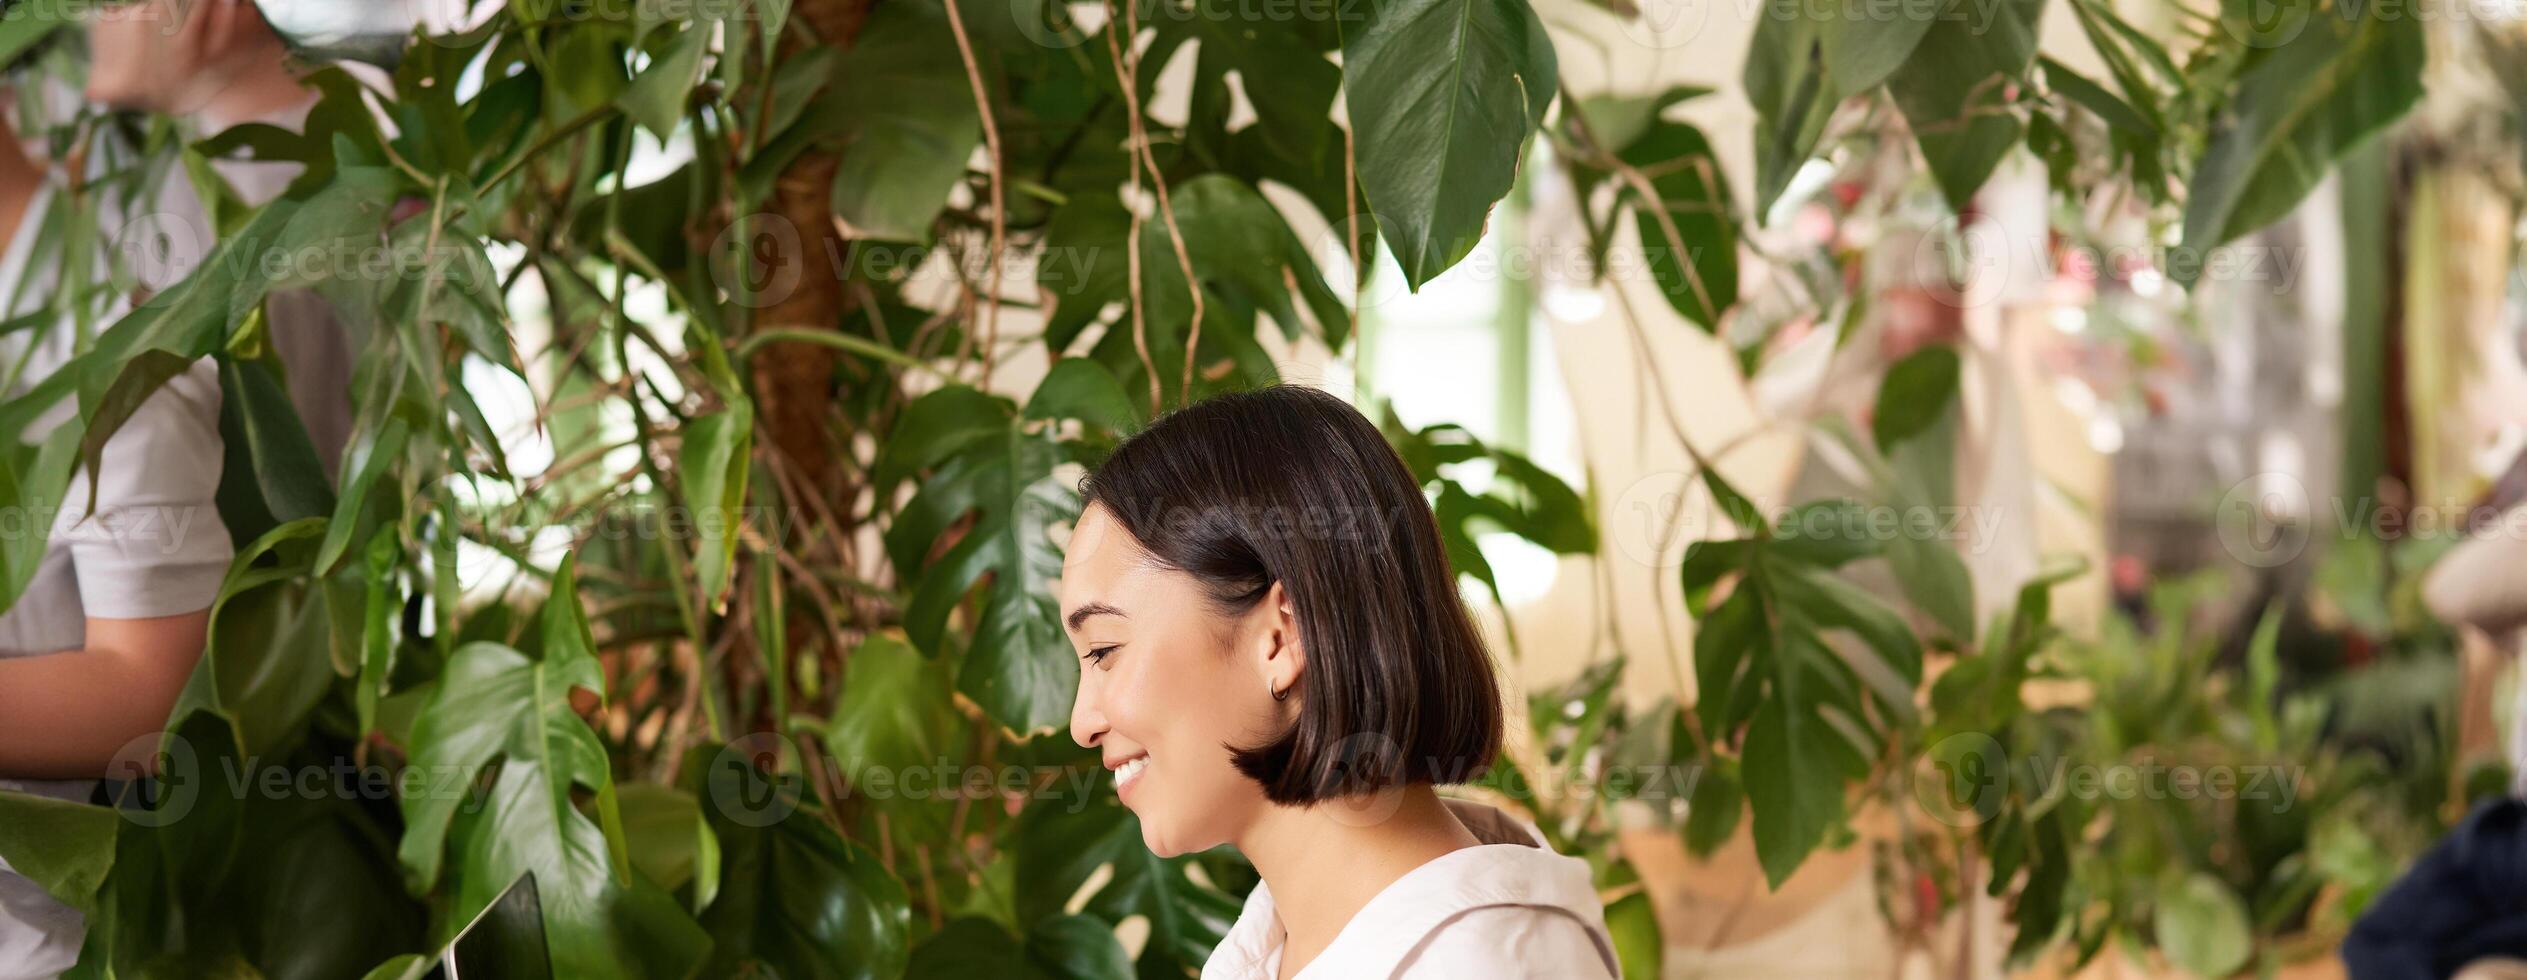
point(1166, 684)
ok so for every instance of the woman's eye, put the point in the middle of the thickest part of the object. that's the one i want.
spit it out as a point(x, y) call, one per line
point(1097, 655)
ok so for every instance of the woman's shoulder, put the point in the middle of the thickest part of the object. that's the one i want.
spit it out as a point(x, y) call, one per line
point(1511, 941)
point(1510, 902)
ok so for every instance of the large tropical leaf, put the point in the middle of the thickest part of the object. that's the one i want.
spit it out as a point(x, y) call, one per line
point(1019, 666)
point(495, 704)
point(906, 115)
point(1061, 843)
point(1443, 95)
point(799, 902)
point(2314, 98)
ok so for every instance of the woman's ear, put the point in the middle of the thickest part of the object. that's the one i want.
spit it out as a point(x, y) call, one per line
point(1284, 654)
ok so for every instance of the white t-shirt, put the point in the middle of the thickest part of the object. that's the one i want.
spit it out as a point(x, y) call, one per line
point(153, 546)
point(1506, 909)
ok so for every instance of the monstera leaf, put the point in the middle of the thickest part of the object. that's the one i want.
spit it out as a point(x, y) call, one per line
point(907, 118)
point(496, 705)
point(799, 901)
point(1763, 660)
point(1520, 498)
point(1060, 844)
point(988, 467)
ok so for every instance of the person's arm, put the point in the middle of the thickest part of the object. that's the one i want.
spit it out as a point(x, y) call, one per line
point(67, 715)
point(149, 559)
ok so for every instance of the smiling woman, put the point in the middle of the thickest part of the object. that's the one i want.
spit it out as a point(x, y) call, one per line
point(1261, 670)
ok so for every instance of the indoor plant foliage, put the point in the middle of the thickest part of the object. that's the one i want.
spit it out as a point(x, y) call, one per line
point(810, 549)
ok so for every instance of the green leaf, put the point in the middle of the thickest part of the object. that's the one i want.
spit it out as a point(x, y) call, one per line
point(798, 901)
point(66, 848)
point(1619, 120)
point(410, 966)
point(1442, 97)
point(1633, 924)
point(1019, 666)
point(712, 465)
point(896, 710)
point(668, 840)
point(1914, 395)
point(32, 480)
point(1706, 561)
point(1723, 643)
point(1734, 505)
point(1080, 388)
point(906, 115)
point(381, 600)
point(1061, 843)
point(1956, 91)
point(25, 27)
point(494, 703)
point(2201, 925)
point(1242, 251)
point(1241, 246)
point(267, 660)
point(1061, 947)
point(1286, 77)
point(1890, 662)
point(656, 97)
point(1823, 533)
point(2263, 680)
point(135, 382)
point(1794, 788)
point(935, 427)
point(1718, 803)
point(585, 65)
point(367, 460)
point(1786, 81)
point(1866, 43)
point(1696, 268)
point(2306, 103)
point(1936, 582)
point(286, 469)
point(2094, 97)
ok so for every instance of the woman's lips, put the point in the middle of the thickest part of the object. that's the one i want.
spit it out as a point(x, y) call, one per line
point(1129, 774)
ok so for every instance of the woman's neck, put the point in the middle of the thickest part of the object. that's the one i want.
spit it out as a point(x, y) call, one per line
point(1325, 862)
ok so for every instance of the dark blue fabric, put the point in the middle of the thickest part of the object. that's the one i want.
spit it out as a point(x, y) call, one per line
point(2465, 900)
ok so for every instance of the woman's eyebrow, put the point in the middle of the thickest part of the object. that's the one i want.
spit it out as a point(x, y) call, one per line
point(1081, 614)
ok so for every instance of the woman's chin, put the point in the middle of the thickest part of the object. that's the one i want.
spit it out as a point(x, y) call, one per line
point(1157, 843)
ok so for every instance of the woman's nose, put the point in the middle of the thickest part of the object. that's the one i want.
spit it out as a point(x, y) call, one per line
point(1087, 721)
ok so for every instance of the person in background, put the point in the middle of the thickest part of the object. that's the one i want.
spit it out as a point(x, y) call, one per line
point(216, 64)
point(2455, 912)
point(96, 649)
point(100, 642)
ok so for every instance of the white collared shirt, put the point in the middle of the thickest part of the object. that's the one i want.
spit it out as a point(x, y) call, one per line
point(1506, 908)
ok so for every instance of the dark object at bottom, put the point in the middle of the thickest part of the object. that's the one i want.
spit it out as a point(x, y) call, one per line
point(2464, 901)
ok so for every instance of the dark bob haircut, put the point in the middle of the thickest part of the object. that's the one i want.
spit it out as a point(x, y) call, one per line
point(1291, 485)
